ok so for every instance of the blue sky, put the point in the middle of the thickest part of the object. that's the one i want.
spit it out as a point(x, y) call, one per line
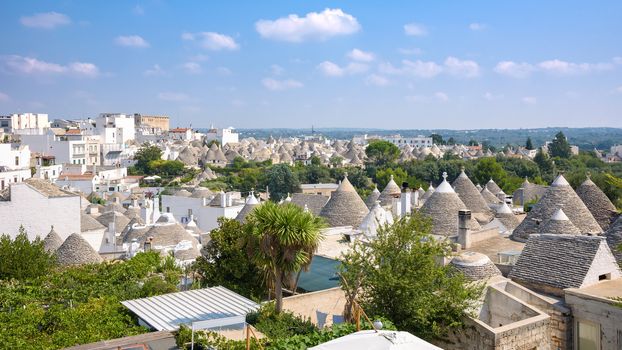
point(400, 64)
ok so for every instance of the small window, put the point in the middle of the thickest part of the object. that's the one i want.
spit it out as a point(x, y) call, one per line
point(588, 335)
point(168, 209)
point(604, 277)
point(16, 160)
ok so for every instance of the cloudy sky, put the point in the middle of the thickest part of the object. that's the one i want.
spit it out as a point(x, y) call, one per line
point(401, 64)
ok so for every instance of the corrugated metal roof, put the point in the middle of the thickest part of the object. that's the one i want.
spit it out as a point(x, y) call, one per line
point(168, 311)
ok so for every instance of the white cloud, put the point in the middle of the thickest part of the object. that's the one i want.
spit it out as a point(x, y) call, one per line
point(154, 71)
point(415, 29)
point(467, 69)
point(32, 66)
point(313, 26)
point(559, 67)
point(529, 100)
point(199, 58)
point(360, 55)
point(192, 67)
point(376, 80)
point(330, 69)
point(275, 69)
point(441, 96)
point(84, 69)
point(419, 69)
point(223, 71)
point(619, 89)
point(277, 85)
point(617, 60)
point(138, 10)
point(4, 97)
point(172, 96)
point(477, 26)
point(412, 51)
point(333, 70)
point(514, 69)
point(491, 97)
point(212, 41)
point(48, 20)
point(131, 41)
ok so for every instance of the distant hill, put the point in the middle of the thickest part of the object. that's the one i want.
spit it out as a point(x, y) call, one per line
point(585, 138)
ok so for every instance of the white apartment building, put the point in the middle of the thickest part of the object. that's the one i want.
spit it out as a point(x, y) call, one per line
point(23, 122)
point(46, 167)
point(223, 136)
point(14, 164)
point(37, 205)
point(69, 147)
point(417, 141)
point(89, 179)
point(115, 128)
point(205, 211)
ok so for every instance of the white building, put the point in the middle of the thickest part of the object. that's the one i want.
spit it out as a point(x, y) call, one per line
point(400, 141)
point(14, 164)
point(16, 123)
point(183, 134)
point(205, 211)
point(37, 205)
point(97, 179)
point(115, 128)
point(223, 136)
point(46, 167)
point(71, 146)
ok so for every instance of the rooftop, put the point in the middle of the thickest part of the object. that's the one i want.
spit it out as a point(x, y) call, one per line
point(604, 291)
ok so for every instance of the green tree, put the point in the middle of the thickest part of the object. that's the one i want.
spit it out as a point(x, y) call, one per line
point(384, 176)
point(488, 168)
point(451, 141)
point(529, 144)
point(281, 240)
point(382, 152)
point(546, 166)
point(145, 155)
point(473, 143)
point(22, 259)
point(437, 139)
point(560, 147)
point(225, 263)
point(281, 181)
point(397, 275)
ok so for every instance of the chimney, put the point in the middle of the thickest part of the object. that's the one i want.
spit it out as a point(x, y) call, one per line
point(135, 203)
point(464, 234)
point(406, 204)
point(147, 244)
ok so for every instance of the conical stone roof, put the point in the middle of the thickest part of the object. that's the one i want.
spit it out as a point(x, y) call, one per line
point(120, 220)
point(475, 266)
point(507, 218)
point(614, 239)
point(428, 193)
point(559, 195)
point(443, 206)
point(251, 203)
point(77, 251)
point(493, 187)
point(134, 230)
point(559, 224)
point(390, 191)
point(597, 202)
point(370, 201)
point(89, 223)
point(470, 196)
point(345, 207)
point(374, 220)
point(489, 197)
point(52, 241)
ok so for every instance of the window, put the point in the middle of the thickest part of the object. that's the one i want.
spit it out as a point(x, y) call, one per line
point(603, 277)
point(168, 209)
point(587, 335)
point(16, 160)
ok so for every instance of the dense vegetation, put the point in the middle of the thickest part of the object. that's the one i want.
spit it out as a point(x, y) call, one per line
point(65, 306)
point(149, 162)
point(508, 172)
point(282, 331)
point(397, 275)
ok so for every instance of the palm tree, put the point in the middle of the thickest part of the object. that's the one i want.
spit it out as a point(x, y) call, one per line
point(281, 240)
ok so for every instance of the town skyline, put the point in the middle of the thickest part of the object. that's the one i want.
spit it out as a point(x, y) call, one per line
point(333, 65)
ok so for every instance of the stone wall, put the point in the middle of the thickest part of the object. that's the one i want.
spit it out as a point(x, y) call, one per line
point(599, 311)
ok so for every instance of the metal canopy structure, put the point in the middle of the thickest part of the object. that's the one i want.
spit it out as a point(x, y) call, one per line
point(168, 311)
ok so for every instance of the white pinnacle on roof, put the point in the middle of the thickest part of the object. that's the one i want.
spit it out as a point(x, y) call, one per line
point(504, 209)
point(444, 186)
point(560, 181)
point(251, 199)
point(559, 215)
